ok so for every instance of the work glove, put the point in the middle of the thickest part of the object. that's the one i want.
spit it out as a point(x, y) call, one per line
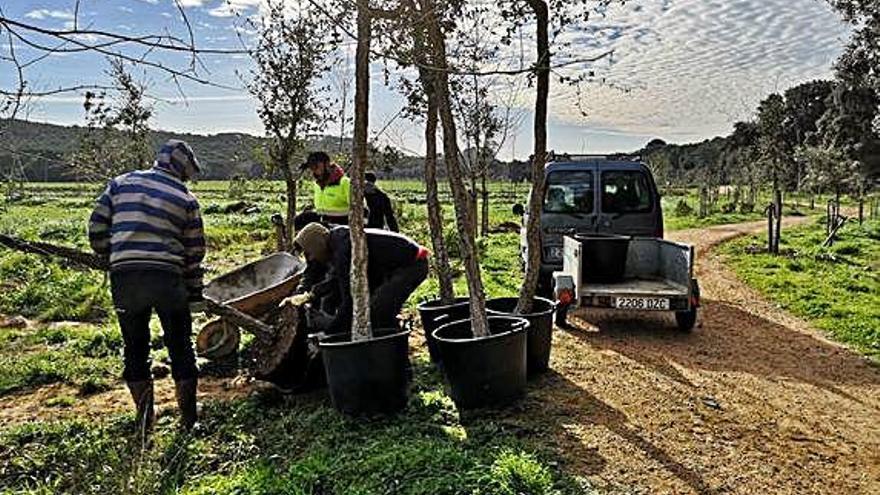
point(297, 300)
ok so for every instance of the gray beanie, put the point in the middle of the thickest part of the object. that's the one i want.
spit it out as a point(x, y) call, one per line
point(179, 157)
point(314, 241)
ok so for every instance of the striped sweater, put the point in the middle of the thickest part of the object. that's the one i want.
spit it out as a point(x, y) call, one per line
point(149, 219)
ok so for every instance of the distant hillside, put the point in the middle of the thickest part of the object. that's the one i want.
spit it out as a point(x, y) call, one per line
point(43, 148)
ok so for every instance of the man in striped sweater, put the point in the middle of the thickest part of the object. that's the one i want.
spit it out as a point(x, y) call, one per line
point(148, 225)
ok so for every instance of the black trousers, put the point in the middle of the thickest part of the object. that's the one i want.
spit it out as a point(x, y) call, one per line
point(136, 294)
point(388, 298)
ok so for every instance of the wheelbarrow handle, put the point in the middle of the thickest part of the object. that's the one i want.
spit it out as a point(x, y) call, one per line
point(236, 317)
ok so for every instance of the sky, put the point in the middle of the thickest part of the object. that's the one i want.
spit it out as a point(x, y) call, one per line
point(680, 70)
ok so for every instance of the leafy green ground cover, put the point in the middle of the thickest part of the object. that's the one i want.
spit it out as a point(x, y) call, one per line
point(836, 288)
point(85, 356)
point(269, 445)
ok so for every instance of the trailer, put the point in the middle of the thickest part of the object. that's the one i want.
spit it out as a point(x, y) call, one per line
point(656, 275)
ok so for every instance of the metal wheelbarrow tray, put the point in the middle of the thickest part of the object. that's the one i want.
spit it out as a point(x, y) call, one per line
point(259, 286)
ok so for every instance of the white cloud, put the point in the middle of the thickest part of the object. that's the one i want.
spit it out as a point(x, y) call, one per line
point(228, 8)
point(128, 10)
point(191, 3)
point(151, 2)
point(693, 67)
point(49, 14)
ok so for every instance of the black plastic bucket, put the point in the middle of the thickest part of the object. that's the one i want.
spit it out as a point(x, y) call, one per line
point(435, 313)
point(540, 328)
point(604, 257)
point(370, 376)
point(488, 371)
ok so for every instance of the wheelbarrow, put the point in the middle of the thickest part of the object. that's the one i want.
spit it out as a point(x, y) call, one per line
point(246, 299)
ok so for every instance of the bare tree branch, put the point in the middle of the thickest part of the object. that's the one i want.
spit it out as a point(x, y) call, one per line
point(68, 34)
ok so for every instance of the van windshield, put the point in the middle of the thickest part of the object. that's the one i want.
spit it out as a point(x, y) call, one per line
point(569, 192)
point(625, 192)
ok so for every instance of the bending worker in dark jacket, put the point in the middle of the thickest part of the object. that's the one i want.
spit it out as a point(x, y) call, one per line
point(148, 224)
point(381, 211)
point(397, 265)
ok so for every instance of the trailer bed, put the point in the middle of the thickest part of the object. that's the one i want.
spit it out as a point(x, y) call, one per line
point(636, 287)
point(658, 276)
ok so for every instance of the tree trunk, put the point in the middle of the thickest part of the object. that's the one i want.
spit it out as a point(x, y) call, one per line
point(360, 291)
point(435, 212)
point(290, 183)
point(484, 230)
point(464, 219)
point(777, 200)
point(861, 205)
point(472, 193)
point(536, 198)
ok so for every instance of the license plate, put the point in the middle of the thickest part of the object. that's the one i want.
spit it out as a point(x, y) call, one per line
point(642, 303)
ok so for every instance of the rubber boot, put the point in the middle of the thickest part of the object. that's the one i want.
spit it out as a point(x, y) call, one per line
point(186, 402)
point(142, 394)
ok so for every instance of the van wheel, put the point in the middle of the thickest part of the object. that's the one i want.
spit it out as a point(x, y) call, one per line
point(562, 317)
point(686, 320)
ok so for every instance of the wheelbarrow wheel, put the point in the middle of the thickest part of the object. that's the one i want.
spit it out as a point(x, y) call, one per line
point(218, 339)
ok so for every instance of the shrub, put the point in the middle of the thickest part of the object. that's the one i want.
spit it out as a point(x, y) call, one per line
point(518, 472)
point(682, 209)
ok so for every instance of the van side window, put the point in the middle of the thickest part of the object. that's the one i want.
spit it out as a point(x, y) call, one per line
point(569, 192)
point(625, 192)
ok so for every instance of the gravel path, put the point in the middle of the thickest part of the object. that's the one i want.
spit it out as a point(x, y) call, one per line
point(753, 401)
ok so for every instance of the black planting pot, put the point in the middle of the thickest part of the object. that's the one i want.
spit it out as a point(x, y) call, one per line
point(484, 371)
point(435, 313)
point(540, 328)
point(604, 257)
point(369, 376)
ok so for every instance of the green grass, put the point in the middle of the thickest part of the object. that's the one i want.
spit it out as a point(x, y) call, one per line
point(299, 445)
point(87, 357)
point(836, 288)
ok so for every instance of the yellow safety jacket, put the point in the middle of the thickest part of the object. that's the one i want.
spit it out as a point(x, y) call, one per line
point(333, 199)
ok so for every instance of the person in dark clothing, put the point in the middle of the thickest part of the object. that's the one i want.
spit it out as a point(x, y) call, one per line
point(381, 211)
point(148, 225)
point(397, 265)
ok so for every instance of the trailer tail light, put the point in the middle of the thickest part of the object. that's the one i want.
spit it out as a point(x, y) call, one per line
point(565, 297)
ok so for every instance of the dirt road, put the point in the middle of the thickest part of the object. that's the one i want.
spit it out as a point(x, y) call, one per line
point(753, 401)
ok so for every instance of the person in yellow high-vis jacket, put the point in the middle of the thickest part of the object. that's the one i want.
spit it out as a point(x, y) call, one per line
point(331, 190)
